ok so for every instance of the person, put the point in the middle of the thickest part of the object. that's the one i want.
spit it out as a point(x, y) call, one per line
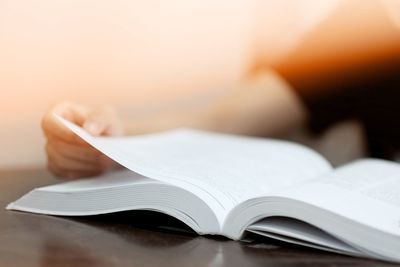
point(286, 63)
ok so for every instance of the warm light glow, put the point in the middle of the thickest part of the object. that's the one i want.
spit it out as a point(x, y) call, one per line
point(138, 54)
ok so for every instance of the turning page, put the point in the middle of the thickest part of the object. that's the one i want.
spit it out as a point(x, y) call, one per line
point(222, 169)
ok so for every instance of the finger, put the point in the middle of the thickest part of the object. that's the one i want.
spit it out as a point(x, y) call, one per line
point(72, 112)
point(50, 137)
point(68, 174)
point(85, 153)
point(103, 121)
point(65, 163)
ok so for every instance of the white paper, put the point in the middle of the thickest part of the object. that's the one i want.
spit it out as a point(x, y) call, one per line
point(224, 170)
point(366, 191)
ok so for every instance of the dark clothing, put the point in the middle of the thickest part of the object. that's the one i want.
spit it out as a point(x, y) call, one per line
point(371, 96)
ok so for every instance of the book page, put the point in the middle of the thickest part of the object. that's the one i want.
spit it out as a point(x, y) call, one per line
point(367, 191)
point(224, 170)
point(112, 179)
point(120, 191)
point(295, 231)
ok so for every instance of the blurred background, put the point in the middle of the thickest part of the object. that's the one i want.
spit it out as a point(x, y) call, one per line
point(102, 52)
point(83, 51)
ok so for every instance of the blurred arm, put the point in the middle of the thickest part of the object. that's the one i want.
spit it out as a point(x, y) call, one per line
point(263, 104)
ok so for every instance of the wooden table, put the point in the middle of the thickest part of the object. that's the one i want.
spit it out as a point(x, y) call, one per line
point(131, 239)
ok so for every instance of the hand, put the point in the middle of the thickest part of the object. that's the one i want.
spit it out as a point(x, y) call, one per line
point(68, 156)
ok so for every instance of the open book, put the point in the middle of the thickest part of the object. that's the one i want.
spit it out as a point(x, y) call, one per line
point(226, 185)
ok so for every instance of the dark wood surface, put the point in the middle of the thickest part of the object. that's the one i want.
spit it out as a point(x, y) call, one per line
point(131, 239)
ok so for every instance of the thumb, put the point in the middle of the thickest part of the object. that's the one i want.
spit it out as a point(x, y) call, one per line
point(102, 121)
point(96, 123)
